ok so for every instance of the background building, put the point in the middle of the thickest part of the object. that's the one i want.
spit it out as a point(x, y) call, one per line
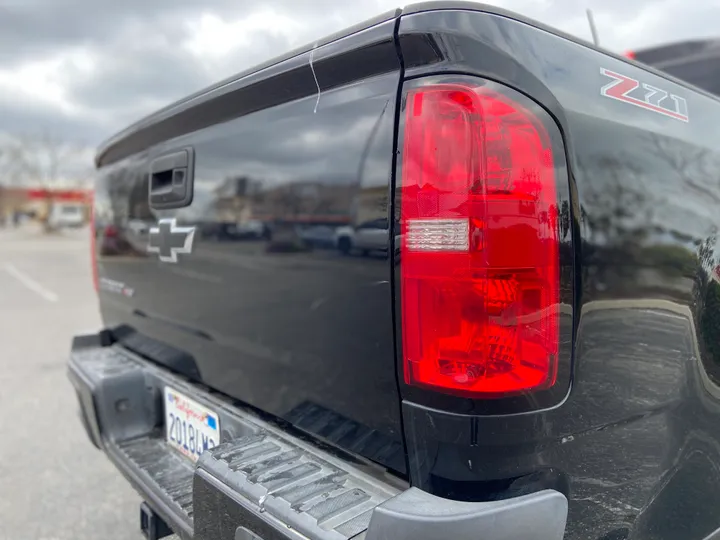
point(36, 203)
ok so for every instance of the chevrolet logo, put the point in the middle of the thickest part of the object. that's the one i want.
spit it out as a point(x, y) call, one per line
point(168, 240)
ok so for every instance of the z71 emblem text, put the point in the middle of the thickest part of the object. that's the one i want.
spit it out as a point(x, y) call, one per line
point(168, 240)
point(653, 99)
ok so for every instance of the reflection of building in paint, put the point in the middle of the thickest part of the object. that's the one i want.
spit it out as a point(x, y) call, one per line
point(372, 204)
point(234, 202)
point(242, 199)
point(307, 202)
point(39, 201)
point(139, 203)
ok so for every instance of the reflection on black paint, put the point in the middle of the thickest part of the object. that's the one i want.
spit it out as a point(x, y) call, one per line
point(638, 438)
point(266, 305)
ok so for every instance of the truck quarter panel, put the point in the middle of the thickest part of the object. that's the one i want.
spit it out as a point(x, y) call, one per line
point(634, 444)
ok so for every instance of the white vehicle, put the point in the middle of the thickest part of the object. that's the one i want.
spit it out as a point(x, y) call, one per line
point(250, 229)
point(366, 237)
point(66, 215)
point(138, 226)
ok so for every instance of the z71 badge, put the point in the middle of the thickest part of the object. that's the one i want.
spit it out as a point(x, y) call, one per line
point(653, 99)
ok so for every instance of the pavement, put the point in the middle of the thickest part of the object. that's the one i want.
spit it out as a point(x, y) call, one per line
point(54, 484)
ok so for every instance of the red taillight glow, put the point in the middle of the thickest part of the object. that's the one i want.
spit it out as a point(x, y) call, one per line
point(630, 55)
point(479, 246)
point(93, 254)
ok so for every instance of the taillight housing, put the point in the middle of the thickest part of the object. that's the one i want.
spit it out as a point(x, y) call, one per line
point(479, 245)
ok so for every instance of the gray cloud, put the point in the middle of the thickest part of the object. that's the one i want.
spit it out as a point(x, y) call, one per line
point(30, 118)
point(136, 47)
point(138, 61)
point(33, 27)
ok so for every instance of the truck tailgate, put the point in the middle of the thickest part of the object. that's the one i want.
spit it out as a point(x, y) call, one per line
point(244, 289)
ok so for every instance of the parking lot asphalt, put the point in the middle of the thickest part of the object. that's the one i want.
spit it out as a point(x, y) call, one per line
point(53, 483)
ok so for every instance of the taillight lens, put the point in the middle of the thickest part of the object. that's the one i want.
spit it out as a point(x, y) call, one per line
point(480, 245)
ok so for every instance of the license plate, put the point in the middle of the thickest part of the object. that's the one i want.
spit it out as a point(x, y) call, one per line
point(191, 428)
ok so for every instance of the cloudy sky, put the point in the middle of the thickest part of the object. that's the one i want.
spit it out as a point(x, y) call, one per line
point(83, 69)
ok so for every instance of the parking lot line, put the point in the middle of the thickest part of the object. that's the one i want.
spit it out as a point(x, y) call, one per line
point(30, 283)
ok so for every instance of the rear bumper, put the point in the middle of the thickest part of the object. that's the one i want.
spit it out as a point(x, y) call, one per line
point(265, 482)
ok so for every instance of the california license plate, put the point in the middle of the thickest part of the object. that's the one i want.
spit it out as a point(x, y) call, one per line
point(190, 427)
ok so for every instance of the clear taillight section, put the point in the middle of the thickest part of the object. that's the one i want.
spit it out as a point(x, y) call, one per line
point(479, 245)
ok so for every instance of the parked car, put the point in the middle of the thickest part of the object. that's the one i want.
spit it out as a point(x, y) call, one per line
point(370, 236)
point(541, 358)
point(318, 235)
point(139, 227)
point(251, 229)
point(66, 215)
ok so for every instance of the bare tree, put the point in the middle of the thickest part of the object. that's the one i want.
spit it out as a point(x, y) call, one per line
point(12, 163)
point(47, 158)
point(695, 166)
point(43, 161)
point(12, 176)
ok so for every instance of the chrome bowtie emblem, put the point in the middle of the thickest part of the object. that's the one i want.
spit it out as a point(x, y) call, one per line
point(168, 240)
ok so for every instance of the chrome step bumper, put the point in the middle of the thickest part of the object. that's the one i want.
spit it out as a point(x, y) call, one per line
point(264, 483)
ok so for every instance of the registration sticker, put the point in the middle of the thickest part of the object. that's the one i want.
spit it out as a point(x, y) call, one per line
point(190, 427)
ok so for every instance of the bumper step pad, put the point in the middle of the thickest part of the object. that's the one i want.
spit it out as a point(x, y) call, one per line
point(171, 473)
point(291, 488)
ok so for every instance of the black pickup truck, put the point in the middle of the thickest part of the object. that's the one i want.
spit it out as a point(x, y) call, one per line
point(449, 274)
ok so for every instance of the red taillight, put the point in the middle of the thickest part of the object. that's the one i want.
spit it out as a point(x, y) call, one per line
point(93, 254)
point(480, 246)
point(630, 55)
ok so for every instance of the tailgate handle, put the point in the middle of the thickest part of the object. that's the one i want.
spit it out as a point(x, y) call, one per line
point(171, 180)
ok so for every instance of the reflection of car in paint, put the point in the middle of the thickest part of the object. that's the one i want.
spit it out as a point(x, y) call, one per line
point(138, 226)
point(320, 236)
point(243, 230)
point(368, 236)
point(111, 241)
point(251, 229)
point(66, 215)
